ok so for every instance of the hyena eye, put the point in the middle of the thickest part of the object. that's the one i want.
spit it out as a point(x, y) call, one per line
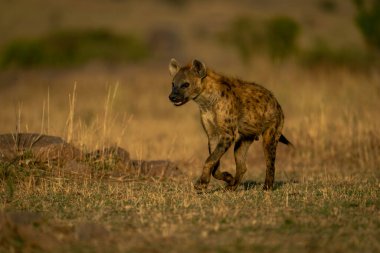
point(185, 85)
point(172, 85)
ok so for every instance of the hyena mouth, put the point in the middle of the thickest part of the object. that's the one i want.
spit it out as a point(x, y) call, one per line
point(178, 103)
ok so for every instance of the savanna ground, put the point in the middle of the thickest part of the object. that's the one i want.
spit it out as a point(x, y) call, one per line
point(327, 192)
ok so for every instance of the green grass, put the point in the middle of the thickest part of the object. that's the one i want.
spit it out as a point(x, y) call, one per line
point(324, 214)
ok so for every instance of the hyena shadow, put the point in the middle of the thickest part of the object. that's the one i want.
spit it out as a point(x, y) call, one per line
point(252, 184)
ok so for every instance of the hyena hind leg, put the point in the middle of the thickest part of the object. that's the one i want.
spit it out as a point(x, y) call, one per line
point(270, 141)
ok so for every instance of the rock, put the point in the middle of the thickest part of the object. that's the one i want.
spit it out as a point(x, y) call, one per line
point(43, 148)
point(110, 153)
point(77, 168)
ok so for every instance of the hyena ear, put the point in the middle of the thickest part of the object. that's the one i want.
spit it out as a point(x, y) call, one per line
point(173, 67)
point(199, 68)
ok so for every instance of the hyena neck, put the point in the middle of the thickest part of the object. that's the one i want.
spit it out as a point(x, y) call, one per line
point(208, 97)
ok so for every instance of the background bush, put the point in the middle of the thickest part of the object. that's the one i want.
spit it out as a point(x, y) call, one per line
point(328, 6)
point(321, 54)
point(368, 21)
point(73, 47)
point(277, 37)
point(282, 34)
point(245, 36)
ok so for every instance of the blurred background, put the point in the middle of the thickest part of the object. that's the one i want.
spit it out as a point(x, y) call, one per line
point(95, 72)
point(66, 33)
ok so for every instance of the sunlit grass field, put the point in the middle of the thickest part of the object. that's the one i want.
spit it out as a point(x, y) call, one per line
point(326, 196)
point(327, 190)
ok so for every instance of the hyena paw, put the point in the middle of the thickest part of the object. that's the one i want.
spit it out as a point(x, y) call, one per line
point(228, 178)
point(200, 185)
point(231, 187)
point(268, 186)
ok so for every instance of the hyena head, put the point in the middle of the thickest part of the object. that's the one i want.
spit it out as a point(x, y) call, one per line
point(186, 84)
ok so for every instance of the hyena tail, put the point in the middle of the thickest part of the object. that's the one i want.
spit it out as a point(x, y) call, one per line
point(285, 141)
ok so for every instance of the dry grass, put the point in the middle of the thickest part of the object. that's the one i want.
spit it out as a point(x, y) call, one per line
point(327, 195)
point(326, 214)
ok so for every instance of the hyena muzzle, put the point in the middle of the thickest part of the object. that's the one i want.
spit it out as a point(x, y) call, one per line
point(232, 111)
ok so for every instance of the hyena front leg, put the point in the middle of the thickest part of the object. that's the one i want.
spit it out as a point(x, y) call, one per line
point(212, 161)
point(240, 153)
point(270, 140)
point(216, 173)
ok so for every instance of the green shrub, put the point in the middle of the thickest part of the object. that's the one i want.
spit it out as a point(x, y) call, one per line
point(244, 35)
point(277, 37)
point(282, 33)
point(322, 55)
point(368, 21)
point(176, 3)
point(73, 47)
point(23, 53)
point(328, 6)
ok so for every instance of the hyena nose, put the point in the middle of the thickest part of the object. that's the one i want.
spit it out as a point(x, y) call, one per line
point(172, 97)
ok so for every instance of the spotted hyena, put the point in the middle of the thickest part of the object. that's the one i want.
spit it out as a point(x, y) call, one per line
point(231, 111)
